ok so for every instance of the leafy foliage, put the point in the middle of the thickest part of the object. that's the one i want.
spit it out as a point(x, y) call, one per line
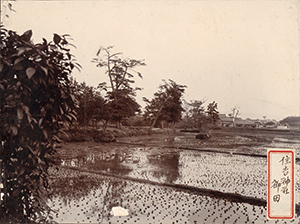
point(166, 104)
point(121, 98)
point(124, 107)
point(195, 114)
point(91, 105)
point(212, 111)
point(35, 102)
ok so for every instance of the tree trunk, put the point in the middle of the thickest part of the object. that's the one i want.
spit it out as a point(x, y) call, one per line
point(119, 124)
point(162, 124)
point(105, 125)
point(157, 115)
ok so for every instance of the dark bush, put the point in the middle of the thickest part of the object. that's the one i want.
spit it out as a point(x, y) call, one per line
point(35, 102)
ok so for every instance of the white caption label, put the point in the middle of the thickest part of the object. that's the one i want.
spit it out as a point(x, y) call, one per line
point(281, 184)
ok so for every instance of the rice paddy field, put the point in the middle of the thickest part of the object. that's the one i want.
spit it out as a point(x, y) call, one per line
point(160, 179)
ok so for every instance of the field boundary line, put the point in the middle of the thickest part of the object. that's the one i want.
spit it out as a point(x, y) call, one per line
point(233, 197)
point(199, 149)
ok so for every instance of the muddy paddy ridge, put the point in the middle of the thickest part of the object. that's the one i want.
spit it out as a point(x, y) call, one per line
point(167, 179)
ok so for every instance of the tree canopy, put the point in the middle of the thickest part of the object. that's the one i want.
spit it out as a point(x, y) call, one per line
point(91, 104)
point(212, 111)
point(196, 113)
point(291, 121)
point(166, 104)
point(121, 98)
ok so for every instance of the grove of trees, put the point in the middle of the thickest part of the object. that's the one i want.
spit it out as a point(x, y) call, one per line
point(196, 116)
point(91, 105)
point(292, 121)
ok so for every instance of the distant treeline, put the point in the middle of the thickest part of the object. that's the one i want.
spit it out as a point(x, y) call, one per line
point(291, 121)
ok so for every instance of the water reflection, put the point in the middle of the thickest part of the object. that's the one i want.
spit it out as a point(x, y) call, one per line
point(79, 197)
point(102, 161)
point(85, 197)
point(139, 163)
point(224, 172)
point(165, 167)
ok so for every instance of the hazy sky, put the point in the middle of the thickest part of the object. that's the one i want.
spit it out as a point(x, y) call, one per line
point(237, 53)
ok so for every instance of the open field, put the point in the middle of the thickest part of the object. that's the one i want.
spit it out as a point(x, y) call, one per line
point(90, 197)
point(167, 178)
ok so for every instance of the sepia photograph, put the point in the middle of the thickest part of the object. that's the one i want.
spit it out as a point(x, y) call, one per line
point(150, 112)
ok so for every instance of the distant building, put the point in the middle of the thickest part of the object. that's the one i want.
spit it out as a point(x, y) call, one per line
point(225, 121)
point(248, 123)
point(258, 124)
point(239, 122)
point(283, 126)
point(271, 124)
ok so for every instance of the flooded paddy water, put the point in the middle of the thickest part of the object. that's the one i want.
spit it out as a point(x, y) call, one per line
point(148, 178)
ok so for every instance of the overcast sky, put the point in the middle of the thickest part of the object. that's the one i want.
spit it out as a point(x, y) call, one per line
point(237, 53)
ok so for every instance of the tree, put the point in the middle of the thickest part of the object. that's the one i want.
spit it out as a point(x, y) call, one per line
point(235, 113)
point(196, 113)
point(120, 71)
point(212, 111)
point(124, 107)
point(166, 104)
point(91, 105)
point(35, 102)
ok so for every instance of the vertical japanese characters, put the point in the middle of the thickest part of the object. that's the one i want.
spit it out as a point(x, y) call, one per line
point(281, 184)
